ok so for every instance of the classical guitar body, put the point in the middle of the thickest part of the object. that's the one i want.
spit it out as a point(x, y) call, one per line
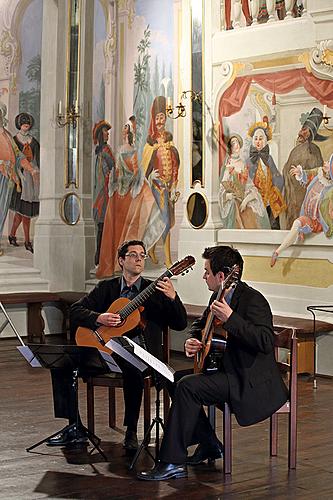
point(200, 358)
point(87, 337)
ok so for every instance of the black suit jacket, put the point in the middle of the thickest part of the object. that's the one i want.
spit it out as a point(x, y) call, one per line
point(256, 386)
point(159, 311)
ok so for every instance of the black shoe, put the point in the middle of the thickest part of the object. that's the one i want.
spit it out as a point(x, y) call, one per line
point(130, 441)
point(68, 436)
point(203, 453)
point(28, 246)
point(13, 241)
point(163, 471)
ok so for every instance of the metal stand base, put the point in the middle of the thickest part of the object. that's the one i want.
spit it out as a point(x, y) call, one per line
point(157, 421)
point(77, 432)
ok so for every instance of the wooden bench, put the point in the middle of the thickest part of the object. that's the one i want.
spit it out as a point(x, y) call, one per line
point(302, 327)
point(34, 302)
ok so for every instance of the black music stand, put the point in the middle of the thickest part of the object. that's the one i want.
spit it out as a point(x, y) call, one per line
point(82, 361)
point(134, 353)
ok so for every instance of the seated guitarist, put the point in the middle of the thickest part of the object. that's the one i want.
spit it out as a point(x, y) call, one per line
point(163, 308)
point(247, 378)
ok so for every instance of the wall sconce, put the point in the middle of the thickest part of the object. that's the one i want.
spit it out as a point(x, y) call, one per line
point(326, 119)
point(180, 110)
point(70, 117)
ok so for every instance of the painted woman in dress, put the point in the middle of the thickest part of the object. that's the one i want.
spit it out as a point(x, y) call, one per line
point(317, 208)
point(25, 203)
point(264, 172)
point(241, 206)
point(130, 208)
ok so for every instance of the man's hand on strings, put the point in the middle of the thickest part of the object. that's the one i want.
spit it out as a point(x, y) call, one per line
point(221, 310)
point(109, 319)
point(165, 286)
point(192, 346)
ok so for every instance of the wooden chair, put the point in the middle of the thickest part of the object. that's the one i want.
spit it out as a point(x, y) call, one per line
point(284, 339)
point(115, 380)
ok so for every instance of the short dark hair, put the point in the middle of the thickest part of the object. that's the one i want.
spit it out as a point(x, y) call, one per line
point(123, 248)
point(222, 258)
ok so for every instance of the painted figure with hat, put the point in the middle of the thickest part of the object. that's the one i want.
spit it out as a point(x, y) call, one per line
point(264, 173)
point(317, 208)
point(12, 162)
point(104, 164)
point(241, 206)
point(131, 213)
point(307, 154)
point(161, 163)
point(25, 202)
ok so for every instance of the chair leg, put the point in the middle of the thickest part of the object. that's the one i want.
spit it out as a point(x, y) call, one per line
point(90, 407)
point(112, 407)
point(166, 405)
point(292, 444)
point(273, 435)
point(227, 439)
point(146, 405)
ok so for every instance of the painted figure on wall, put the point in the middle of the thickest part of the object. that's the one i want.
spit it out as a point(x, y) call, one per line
point(11, 162)
point(104, 164)
point(317, 208)
point(245, 9)
point(131, 212)
point(308, 155)
point(161, 163)
point(25, 202)
point(264, 173)
point(241, 205)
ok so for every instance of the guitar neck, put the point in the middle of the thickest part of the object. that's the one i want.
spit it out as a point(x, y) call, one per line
point(142, 296)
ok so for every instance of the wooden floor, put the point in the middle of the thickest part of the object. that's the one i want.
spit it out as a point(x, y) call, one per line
point(26, 416)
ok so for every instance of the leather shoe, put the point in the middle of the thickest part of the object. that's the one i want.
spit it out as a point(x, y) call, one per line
point(130, 441)
point(163, 471)
point(203, 453)
point(68, 436)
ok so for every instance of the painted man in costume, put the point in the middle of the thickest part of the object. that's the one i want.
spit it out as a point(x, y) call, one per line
point(105, 162)
point(308, 155)
point(161, 163)
point(317, 208)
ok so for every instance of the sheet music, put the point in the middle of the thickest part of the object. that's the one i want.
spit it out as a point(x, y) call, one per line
point(152, 361)
point(125, 354)
point(110, 362)
point(29, 356)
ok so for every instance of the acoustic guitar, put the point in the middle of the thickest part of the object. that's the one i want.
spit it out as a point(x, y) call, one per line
point(214, 326)
point(128, 310)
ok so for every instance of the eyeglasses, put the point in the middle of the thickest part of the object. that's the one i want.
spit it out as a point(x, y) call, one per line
point(134, 255)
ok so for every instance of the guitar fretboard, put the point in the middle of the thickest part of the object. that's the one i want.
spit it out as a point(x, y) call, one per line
point(142, 297)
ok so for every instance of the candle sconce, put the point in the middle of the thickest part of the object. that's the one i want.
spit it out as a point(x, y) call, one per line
point(70, 117)
point(179, 111)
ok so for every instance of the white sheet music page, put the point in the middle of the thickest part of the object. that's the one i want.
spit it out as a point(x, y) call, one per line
point(152, 361)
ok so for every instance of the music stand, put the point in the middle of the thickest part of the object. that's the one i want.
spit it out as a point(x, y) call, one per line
point(82, 361)
point(133, 353)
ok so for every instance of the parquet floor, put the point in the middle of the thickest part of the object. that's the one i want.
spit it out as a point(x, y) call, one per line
point(26, 416)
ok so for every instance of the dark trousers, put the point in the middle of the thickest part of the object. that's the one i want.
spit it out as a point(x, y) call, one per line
point(64, 397)
point(187, 422)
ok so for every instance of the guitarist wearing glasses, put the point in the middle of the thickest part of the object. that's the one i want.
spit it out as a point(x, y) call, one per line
point(163, 308)
point(245, 375)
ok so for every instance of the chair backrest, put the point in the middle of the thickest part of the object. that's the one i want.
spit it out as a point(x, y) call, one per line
point(286, 339)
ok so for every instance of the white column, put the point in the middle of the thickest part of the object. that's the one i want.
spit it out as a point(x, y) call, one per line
point(64, 253)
